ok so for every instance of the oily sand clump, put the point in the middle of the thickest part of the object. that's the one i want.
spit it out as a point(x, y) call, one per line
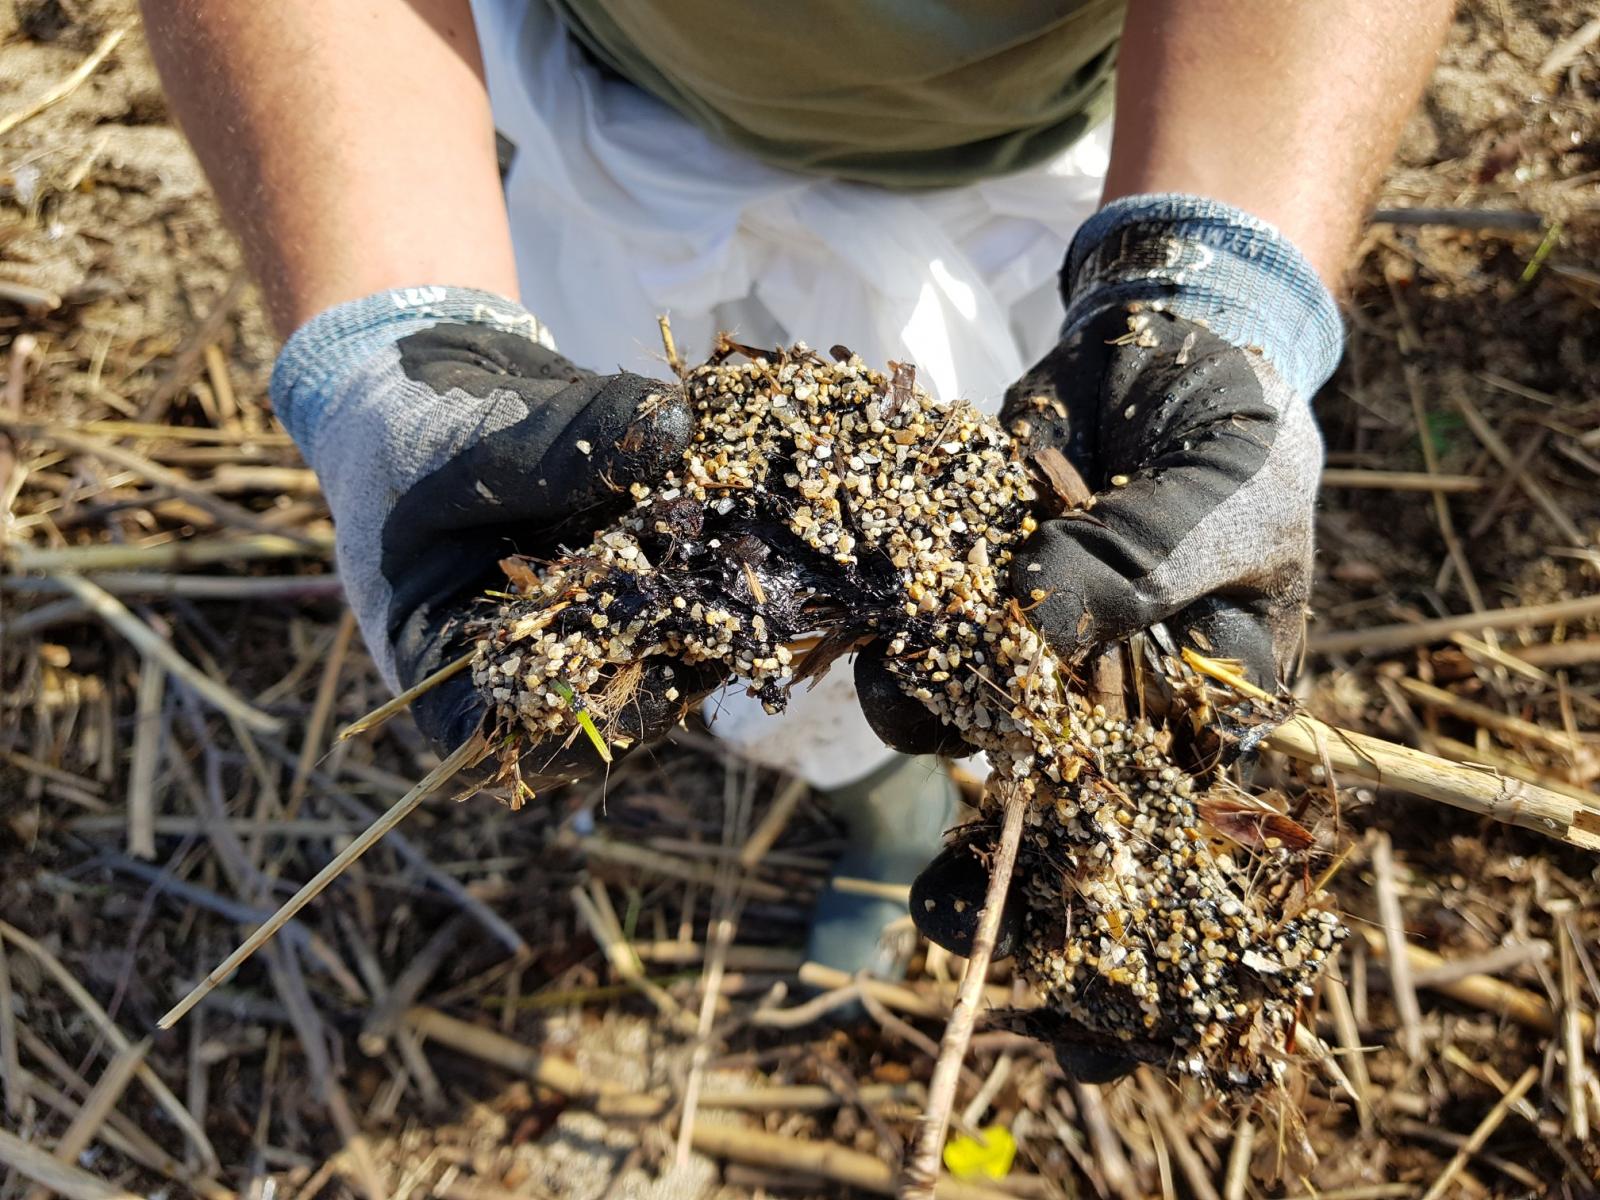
point(825, 498)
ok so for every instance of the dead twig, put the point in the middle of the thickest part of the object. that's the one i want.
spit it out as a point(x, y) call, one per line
point(921, 1170)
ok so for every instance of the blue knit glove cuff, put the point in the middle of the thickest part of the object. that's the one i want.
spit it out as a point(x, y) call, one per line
point(325, 355)
point(1214, 264)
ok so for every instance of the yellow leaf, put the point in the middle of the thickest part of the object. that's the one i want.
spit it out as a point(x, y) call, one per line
point(967, 1157)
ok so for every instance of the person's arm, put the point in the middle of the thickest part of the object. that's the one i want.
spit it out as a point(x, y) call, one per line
point(1289, 111)
point(350, 143)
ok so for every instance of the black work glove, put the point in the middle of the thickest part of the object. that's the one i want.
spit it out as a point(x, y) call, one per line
point(1194, 339)
point(447, 434)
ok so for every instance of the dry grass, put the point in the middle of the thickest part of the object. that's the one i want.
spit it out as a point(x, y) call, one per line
point(444, 1021)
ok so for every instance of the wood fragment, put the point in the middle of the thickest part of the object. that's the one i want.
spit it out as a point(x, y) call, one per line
point(920, 1171)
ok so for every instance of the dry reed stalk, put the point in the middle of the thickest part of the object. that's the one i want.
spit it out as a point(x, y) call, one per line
point(1441, 506)
point(852, 1168)
point(97, 1106)
point(153, 646)
point(1349, 1034)
point(773, 822)
point(924, 1000)
point(1491, 1121)
point(30, 1162)
point(1577, 1065)
point(1531, 487)
point(109, 1029)
point(1402, 481)
point(653, 862)
point(1488, 718)
point(602, 926)
point(1500, 959)
point(920, 1171)
point(1405, 995)
point(321, 710)
point(61, 89)
point(739, 958)
point(1574, 652)
point(1237, 1177)
point(127, 1139)
point(1382, 639)
point(223, 511)
point(1477, 991)
point(12, 1080)
point(1109, 1151)
point(402, 701)
point(727, 902)
point(147, 736)
point(192, 552)
point(1479, 790)
point(465, 755)
point(1195, 1172)
point(1503, 762)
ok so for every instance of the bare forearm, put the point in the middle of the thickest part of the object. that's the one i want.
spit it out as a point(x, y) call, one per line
point(1288, 109)
point(350, 144)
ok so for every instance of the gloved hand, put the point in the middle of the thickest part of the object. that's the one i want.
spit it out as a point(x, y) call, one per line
point(1194, 338)
point(447, 434)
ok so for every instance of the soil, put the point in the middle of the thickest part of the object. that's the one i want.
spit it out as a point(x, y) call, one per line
point(118, 303)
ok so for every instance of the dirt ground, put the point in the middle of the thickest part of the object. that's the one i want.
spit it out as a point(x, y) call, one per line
point(444, 1020)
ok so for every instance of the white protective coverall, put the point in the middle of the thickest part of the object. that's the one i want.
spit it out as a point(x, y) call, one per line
point(622, 210)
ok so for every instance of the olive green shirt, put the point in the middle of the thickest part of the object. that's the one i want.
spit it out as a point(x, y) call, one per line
point(904, 93)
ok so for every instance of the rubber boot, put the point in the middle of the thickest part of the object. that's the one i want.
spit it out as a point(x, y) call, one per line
point(894, 821)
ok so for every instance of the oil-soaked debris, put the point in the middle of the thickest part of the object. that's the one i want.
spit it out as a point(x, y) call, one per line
point(824, 499)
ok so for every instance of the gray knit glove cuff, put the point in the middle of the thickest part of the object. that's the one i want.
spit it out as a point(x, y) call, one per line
point(1212, 264)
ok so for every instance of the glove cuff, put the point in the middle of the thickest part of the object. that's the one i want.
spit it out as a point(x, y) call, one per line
point(1212, 263)
point(337, 343)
